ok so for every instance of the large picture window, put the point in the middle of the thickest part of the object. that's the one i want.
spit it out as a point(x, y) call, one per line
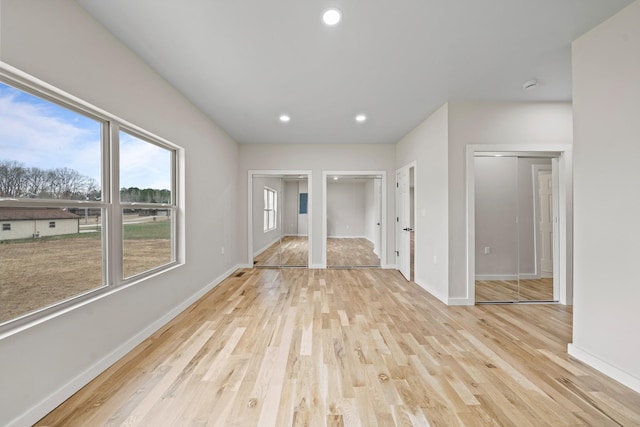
point(59, 200)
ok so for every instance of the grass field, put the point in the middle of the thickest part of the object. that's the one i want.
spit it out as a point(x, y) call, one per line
point(35, 273)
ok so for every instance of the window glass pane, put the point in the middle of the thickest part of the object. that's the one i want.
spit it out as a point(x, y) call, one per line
point(147, 239)
point(47, 151)
point(145, 171)
point(39, 265)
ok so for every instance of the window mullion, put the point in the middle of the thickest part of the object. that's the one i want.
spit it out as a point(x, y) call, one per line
point(114, 216)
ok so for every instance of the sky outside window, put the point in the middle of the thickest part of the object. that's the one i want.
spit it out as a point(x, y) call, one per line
point(37, 133)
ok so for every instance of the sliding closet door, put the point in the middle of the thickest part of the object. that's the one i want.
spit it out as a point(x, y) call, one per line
point(294, 244)
point(280, 220)
point(496, 211)
point(535, 229)
point(515, 214)
point(354, 224)
point(267, 221)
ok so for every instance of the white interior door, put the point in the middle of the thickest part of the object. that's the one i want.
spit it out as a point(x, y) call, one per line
point(403, 223)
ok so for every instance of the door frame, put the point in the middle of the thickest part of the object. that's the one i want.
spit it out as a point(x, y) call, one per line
point(276, 174)
point(537, 169)
point(383, 202)
point(565, 209)
point(408, 167)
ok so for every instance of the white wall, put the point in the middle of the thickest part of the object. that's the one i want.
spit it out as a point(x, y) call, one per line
point(606, 86)
point(315, 157)
point(345, 209)
point(58, 42)
point(427, 146)
point(290, 208)
point(438, 147)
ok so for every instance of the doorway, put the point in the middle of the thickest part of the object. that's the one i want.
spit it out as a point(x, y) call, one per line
point(279, 218)
point(517, 199)
point(406, 220)
point(354, 219)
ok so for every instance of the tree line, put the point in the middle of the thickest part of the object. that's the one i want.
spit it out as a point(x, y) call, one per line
point(144, 195)
point(20, 181)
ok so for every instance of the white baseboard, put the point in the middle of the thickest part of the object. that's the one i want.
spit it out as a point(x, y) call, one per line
point(523, 276)
point(431, 289)
point(459, 301)
point(318, 266)
point(389, 267)
point(244, 266)
point(606, 368)
point(259, 251)
point(496, 277)
point(47, 405)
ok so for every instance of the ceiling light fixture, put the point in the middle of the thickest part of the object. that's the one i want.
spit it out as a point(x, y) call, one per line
point(335, 178)
point(361, 118)
point(530, 85)
point(285, 118)
point(331, 16)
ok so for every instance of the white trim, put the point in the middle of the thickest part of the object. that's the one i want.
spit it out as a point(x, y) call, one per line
point(535, 171)
point(259, 251)
point(523, 276)
point(563, 153)
point(496, 277)
point(460, 301)
point(276, 173)
point(605, 367)
point(112, 125)
point(48, 404)
point(383, 202)
point(413, 164)
point(433, 291)
point(274, 209)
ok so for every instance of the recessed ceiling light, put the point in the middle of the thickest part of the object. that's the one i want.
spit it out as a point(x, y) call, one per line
point(335, 178)
point(361, 118)
point(285, 118)
point(331, 16)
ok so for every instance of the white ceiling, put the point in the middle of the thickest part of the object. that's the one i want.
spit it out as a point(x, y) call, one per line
point(246, 62)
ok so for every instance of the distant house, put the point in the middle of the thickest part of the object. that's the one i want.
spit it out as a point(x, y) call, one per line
point(24, 223)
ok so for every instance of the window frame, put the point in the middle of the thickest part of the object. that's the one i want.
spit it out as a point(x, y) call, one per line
point(171, 206)
point(270, 211)
point(112, 236)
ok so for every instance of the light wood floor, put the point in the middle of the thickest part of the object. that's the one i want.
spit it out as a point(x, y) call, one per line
point(282, 347)
point(514, 290)
point(351, 252)
point(292, 251)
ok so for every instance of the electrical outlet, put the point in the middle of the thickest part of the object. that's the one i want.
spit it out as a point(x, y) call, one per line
point(487, 250)
point(222, 250)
